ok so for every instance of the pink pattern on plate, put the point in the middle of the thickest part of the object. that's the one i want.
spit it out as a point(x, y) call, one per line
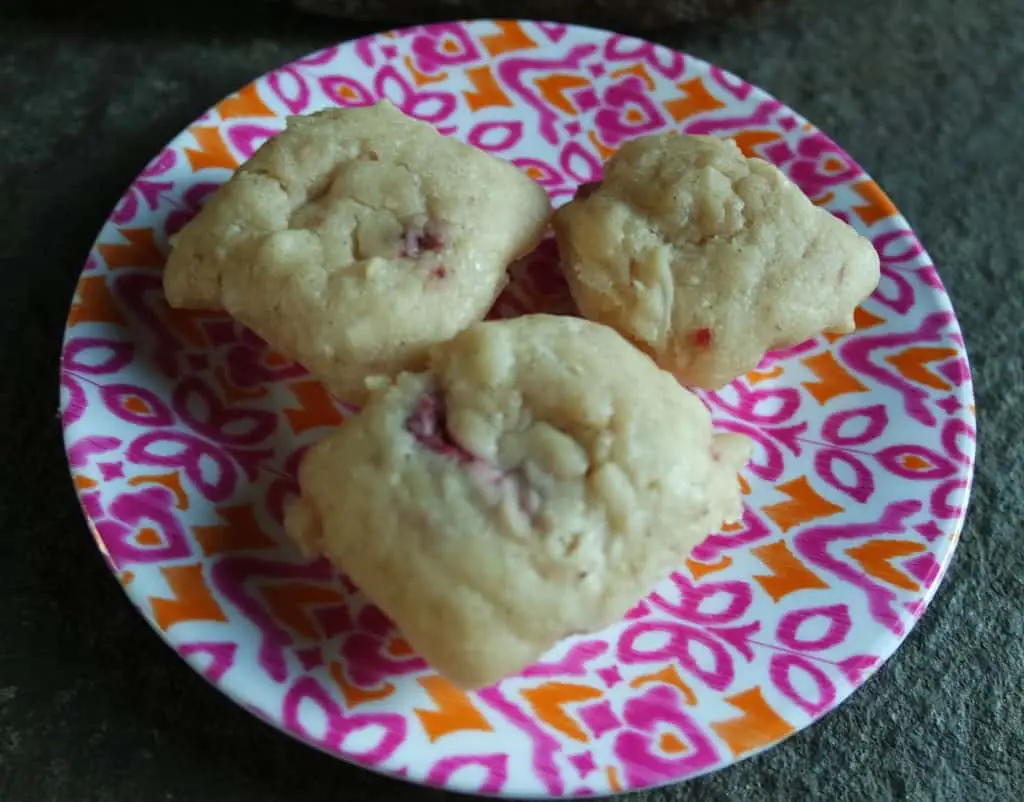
point(184, 432)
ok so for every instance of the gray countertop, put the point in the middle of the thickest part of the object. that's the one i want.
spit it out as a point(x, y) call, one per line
point(925, 95)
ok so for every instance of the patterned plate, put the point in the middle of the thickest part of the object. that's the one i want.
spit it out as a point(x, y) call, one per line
point(183, 432)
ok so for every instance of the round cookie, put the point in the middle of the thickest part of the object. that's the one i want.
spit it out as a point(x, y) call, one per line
point(707, 259)
point(538, 481)
point(355, 240)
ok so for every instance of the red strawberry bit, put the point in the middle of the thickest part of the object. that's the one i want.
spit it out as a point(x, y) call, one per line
point(703, 337)
point(429, 425)
point(439, 272)
point(416, 242)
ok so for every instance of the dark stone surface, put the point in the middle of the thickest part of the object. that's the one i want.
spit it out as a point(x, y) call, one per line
point(926, 95)
point(637, 15)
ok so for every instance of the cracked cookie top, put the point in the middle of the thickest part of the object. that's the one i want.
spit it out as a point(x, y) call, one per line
point(541, 478)
point(708, 259)
point(355, 240)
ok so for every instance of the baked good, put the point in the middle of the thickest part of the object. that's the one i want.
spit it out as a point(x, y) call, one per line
point(355, 240)
point(708, 259)
point(536, 482)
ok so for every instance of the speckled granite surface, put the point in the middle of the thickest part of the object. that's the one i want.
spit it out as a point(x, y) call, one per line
point(926, 95)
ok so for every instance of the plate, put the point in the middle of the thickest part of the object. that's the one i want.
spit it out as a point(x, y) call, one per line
point(183, 432)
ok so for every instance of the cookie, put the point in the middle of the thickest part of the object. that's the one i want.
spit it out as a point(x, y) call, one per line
point(539, 480)
point(355, 240)
point(707, 259)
